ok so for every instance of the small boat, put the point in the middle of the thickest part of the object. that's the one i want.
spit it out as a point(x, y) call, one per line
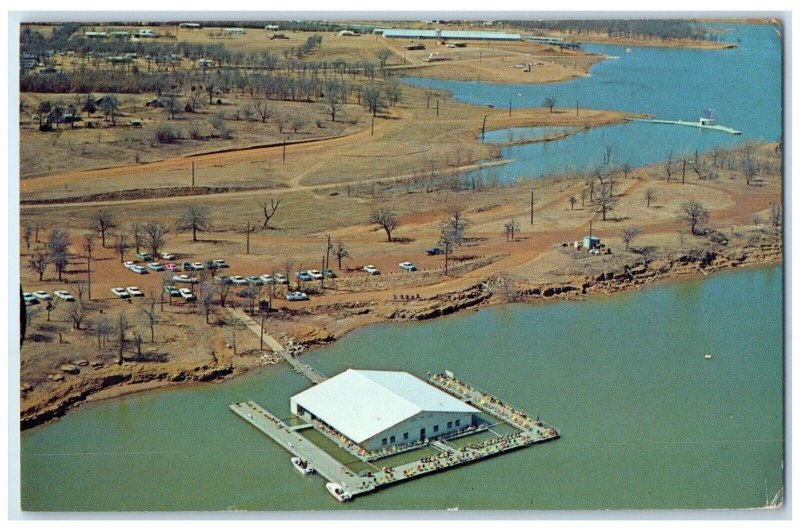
point(302, 466)
point(338, 492)
point(707, 356)
point(627, 50)
point(489, 105)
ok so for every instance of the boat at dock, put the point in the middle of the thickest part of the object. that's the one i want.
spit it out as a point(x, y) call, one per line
point(338, 492)
point(302, 466)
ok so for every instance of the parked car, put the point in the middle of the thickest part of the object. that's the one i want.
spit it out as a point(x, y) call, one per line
point(304, 276)
point(172, 291)
point(139, 270)
point(408, 266)
point(239, 281)
point(134, 291)
point(146, 257)
point(246, 293)
point(187, 294)
point(267, 279)
point(122, 293)
point(434, 251)
point(155, 266)
point(30, 298)
point(280, 278)
point(197, 266)
point(187, 266)
point(316, 275)
point(371, 269)
point(64, 295)
point(42, 295)
point(254, 280)
point(296, 296)
point(222, 264)
point(328, 273)
point(184, 279)
point(172, 267)
point(128, 264)
point(167, 256)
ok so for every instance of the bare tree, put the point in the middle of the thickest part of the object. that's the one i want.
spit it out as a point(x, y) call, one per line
point(447, 240)
point(149, 311)
point(511, 227)
point(626, 169)
point(88, 246)
point(222, 290)
point(649, 195)
point(341, 252)
point(235, 325)
point(194, 218)
point(207, 298)
point(102, 328)
point(121, 245)
point(549, 102)
point(38, 264)
point(334, 99)
point(372, 98)
point(101, 222)
point(386, 219)
point(629, 234)
point(693, 213)
point(750, 169)
point(297, 121)
point(605, 201)
point(263, 110)
point(269, 210)
point(137, 231)
point(572, 201)
point(27, 233)
point(456, 223)
point(775, 215)
point(383, 56)
point(58, 245)
point(668, 166)
point(121, 327)
point(154, 236)
point(77, 313)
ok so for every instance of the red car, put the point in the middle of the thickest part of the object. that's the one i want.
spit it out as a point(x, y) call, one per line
point(171, 267)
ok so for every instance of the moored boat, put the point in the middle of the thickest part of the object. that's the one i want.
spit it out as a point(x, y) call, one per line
point(338, 492)
point(302, 466)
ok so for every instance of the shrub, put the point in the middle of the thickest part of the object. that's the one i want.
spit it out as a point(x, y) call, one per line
point(166, 134)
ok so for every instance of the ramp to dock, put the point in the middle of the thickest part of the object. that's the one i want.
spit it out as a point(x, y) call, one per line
point(698, 125)
point(306, 370)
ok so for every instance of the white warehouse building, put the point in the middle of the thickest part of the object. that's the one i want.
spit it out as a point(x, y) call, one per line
point(378, 409)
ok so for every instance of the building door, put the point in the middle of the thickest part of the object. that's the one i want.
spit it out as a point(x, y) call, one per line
point(422, 434)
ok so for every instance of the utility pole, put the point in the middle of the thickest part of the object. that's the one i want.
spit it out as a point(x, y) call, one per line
point(531, 207)
point(437, 108)
point(322, 280)
point(262, 327)
point(192, 174)
point(577, 108)
point(483, 127)
point(247, 231)
point(509, 106)
point(89, 272)
point(372, 129)
point(683, 176)
point(284, 150)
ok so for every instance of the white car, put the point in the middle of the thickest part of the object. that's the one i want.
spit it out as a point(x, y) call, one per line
point(371, 269)
point(187, 294)
point(296, 296)
point(186, 279)
point(408, 266)
point(197, 266)
point(267, 279)
point(128, 264)
point(42, 295)
point(316, 275)
point(167, 256)
point(280, 278)
point(239, 281)
point(221, 264)
point(30, 299)
point(121, 293)
point(139, 270)
point(155, 266)
point(64, 295)
point(134, 291)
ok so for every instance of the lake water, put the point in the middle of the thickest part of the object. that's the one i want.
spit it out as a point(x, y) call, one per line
point(647, 422)
point(743, 85)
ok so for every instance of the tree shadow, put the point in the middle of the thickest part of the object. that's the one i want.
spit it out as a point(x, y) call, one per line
point(403, 240)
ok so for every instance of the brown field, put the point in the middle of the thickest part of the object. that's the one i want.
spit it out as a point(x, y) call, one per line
point(332, 179)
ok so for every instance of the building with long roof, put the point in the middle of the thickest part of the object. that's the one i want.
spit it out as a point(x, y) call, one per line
point(446, 34)
point(380, 409)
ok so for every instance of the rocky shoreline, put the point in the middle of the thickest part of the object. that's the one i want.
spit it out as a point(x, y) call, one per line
point(494, 291)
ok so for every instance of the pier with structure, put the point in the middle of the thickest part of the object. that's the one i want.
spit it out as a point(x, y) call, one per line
point(435, 401)
point(705, 122)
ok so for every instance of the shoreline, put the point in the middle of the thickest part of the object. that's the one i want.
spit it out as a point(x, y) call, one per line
point(579, 287)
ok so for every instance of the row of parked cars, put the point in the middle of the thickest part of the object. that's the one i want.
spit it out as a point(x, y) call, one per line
point(43, 296)
point(171, 266)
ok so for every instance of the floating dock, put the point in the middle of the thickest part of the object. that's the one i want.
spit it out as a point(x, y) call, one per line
point(450, 454)
point(698, 125)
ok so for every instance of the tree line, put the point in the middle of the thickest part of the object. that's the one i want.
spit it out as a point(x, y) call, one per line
point(648, 28)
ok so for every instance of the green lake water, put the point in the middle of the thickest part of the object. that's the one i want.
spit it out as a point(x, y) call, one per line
point(647, 422)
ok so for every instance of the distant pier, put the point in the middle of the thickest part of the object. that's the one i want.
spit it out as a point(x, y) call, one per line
point(698, 125)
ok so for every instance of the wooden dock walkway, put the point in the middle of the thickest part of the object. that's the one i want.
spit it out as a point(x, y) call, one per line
point(306, 370)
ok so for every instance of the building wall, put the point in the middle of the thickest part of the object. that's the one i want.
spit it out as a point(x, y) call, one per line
point(435, 425)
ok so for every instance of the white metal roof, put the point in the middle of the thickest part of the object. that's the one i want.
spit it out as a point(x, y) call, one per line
point(361, 403)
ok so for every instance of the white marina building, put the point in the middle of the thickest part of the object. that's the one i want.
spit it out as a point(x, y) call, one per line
point(380, 409)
